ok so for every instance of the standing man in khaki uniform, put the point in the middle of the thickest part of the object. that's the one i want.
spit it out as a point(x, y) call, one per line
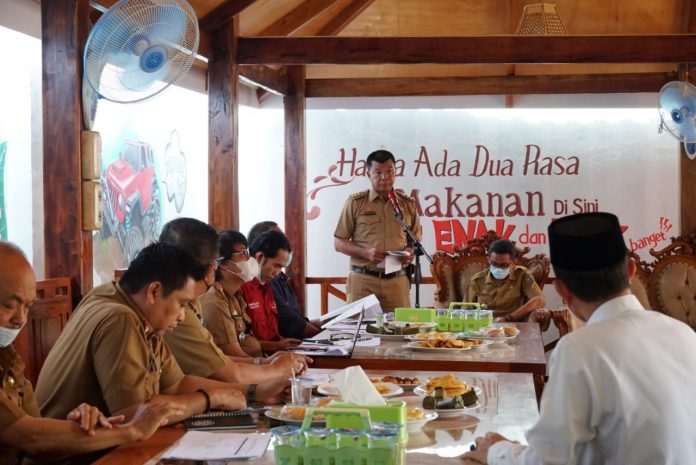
point(368, 229)
point(510, 291)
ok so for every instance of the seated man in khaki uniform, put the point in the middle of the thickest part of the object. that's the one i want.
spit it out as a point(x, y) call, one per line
point(192, 344)
point(111, 353)
point(22, 430)
point(224, 309)
point(510, 291)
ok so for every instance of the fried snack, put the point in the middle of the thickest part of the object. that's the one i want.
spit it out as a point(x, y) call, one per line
point(414, 413)
point(382, 389)
point(509, 330)
point(451, 385)
point(324, 401)
point(446, 344)
point(476, 342)
point(432, 336)
point(400, 380)
point(494, 332)
point(294, 412)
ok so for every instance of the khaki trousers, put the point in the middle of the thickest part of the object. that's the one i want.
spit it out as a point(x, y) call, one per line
point(391, 293)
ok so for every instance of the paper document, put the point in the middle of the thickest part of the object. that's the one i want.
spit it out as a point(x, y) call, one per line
point(370, 303)
point(200, 445)
point(391, 263)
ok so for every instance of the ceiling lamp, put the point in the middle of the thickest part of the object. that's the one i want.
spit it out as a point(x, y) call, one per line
point(540, 19)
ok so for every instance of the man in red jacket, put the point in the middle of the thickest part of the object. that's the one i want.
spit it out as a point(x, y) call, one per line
point(272, 252)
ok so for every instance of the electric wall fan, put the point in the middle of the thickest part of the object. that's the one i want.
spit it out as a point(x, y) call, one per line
point(136, 50)
point(677, 106)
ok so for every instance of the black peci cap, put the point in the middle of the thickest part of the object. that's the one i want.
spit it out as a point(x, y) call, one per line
point(586, 242)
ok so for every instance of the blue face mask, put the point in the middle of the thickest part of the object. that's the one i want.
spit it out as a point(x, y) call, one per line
point(500, 273)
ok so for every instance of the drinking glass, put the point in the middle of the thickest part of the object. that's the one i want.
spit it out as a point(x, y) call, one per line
point(457, 321)
point(485, 318)
point(320, 437)
point(286, 435)
point(301, 390)
point(470, 320)
point(442, 319)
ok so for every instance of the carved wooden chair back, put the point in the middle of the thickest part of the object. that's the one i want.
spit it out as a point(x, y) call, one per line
point(48, 316)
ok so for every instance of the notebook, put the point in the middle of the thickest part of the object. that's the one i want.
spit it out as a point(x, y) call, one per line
point(220, 420)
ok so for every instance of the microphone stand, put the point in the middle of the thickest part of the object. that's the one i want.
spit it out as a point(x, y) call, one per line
point(418, 250)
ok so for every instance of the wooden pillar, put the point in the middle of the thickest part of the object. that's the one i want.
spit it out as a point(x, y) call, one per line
point(687, 168)
point(67, 249)
point(296, 179)
point(223, 141)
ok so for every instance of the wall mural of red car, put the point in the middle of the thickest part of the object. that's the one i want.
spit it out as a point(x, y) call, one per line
point(132, 212)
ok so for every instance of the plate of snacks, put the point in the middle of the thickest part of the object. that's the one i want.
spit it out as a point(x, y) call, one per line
point(431, 336)
point(440, 345)
point(480, 344)
point(448, 396)
point(407, 384)
point(497, 334)
point(292, 414)
point(453, 386)
point(386, 390)
point(397, 330)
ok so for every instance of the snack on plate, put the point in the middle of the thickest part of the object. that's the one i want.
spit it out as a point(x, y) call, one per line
point(446, 344)
point(324, 401)
point(414, 413)
point(509, 330)
point(476, 342)
point(294, 412)
point(494, 332)
point(451, 385)
point(439, 400)
point(432, 336)
point(382, 389)
point(400, 380)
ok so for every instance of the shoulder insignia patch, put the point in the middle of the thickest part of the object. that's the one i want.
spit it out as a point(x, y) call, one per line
point(405, 196)
point(360, 194)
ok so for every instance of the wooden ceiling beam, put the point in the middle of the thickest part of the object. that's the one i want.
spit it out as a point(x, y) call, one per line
point(671, 48)
point(266, 78)
point(489, 85)
point(296, 18)
point(223, 14)
point(344, 17)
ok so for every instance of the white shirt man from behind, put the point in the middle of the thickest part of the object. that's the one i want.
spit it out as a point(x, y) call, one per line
point(620, 390)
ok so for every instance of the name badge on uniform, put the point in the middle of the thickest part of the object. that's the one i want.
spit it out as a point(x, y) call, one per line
point(367, 213)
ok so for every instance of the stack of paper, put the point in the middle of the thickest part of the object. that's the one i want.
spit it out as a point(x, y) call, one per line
point(199, 445)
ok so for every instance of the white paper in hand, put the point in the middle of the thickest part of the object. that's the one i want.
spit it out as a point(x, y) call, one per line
point(356, 388)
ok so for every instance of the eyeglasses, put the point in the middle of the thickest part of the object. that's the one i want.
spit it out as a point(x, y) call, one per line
point(244, 252)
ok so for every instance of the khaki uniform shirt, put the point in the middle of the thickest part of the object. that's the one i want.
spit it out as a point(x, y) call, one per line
point(227, 320)
point(369, 221)
point(193, 346)
point(16, 398)
point(107, 356)
point(506, 296)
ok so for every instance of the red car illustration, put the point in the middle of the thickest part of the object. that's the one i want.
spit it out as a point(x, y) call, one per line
point(131, 198)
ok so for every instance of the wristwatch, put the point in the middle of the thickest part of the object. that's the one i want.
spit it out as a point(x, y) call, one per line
point(251, 394)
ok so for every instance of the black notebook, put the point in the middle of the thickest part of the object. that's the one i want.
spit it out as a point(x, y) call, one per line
point(220, 420)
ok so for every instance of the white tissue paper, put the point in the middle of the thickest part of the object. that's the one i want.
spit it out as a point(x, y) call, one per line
point(356, 388)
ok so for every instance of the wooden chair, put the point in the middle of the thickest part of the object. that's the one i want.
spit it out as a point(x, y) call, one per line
point(672, 283)
point(640, 281)
point(453, 272)
point(48, 316)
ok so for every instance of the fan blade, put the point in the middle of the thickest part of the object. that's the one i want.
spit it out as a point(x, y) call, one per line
point(690, 149)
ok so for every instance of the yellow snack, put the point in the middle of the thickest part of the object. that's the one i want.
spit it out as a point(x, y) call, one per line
point(383, 389)
point(294, 412)
point(451, 385)
point(509, 330)
point(414, 413)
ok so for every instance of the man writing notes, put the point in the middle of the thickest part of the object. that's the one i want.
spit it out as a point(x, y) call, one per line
point(368, 230)
point(619, 392)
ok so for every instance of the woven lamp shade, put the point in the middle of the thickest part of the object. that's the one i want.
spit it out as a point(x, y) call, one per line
point(540, 19)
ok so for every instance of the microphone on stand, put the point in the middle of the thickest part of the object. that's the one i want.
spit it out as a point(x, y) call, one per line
point(395, 205)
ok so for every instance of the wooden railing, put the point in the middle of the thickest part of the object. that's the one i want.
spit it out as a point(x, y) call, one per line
point(328, 288)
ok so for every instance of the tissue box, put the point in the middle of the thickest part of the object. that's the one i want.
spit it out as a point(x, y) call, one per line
point(393, 412)
point(414, 315)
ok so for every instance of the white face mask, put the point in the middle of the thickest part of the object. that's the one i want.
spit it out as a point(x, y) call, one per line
point(500, 273)
point(7, 336)
point(248, 269)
